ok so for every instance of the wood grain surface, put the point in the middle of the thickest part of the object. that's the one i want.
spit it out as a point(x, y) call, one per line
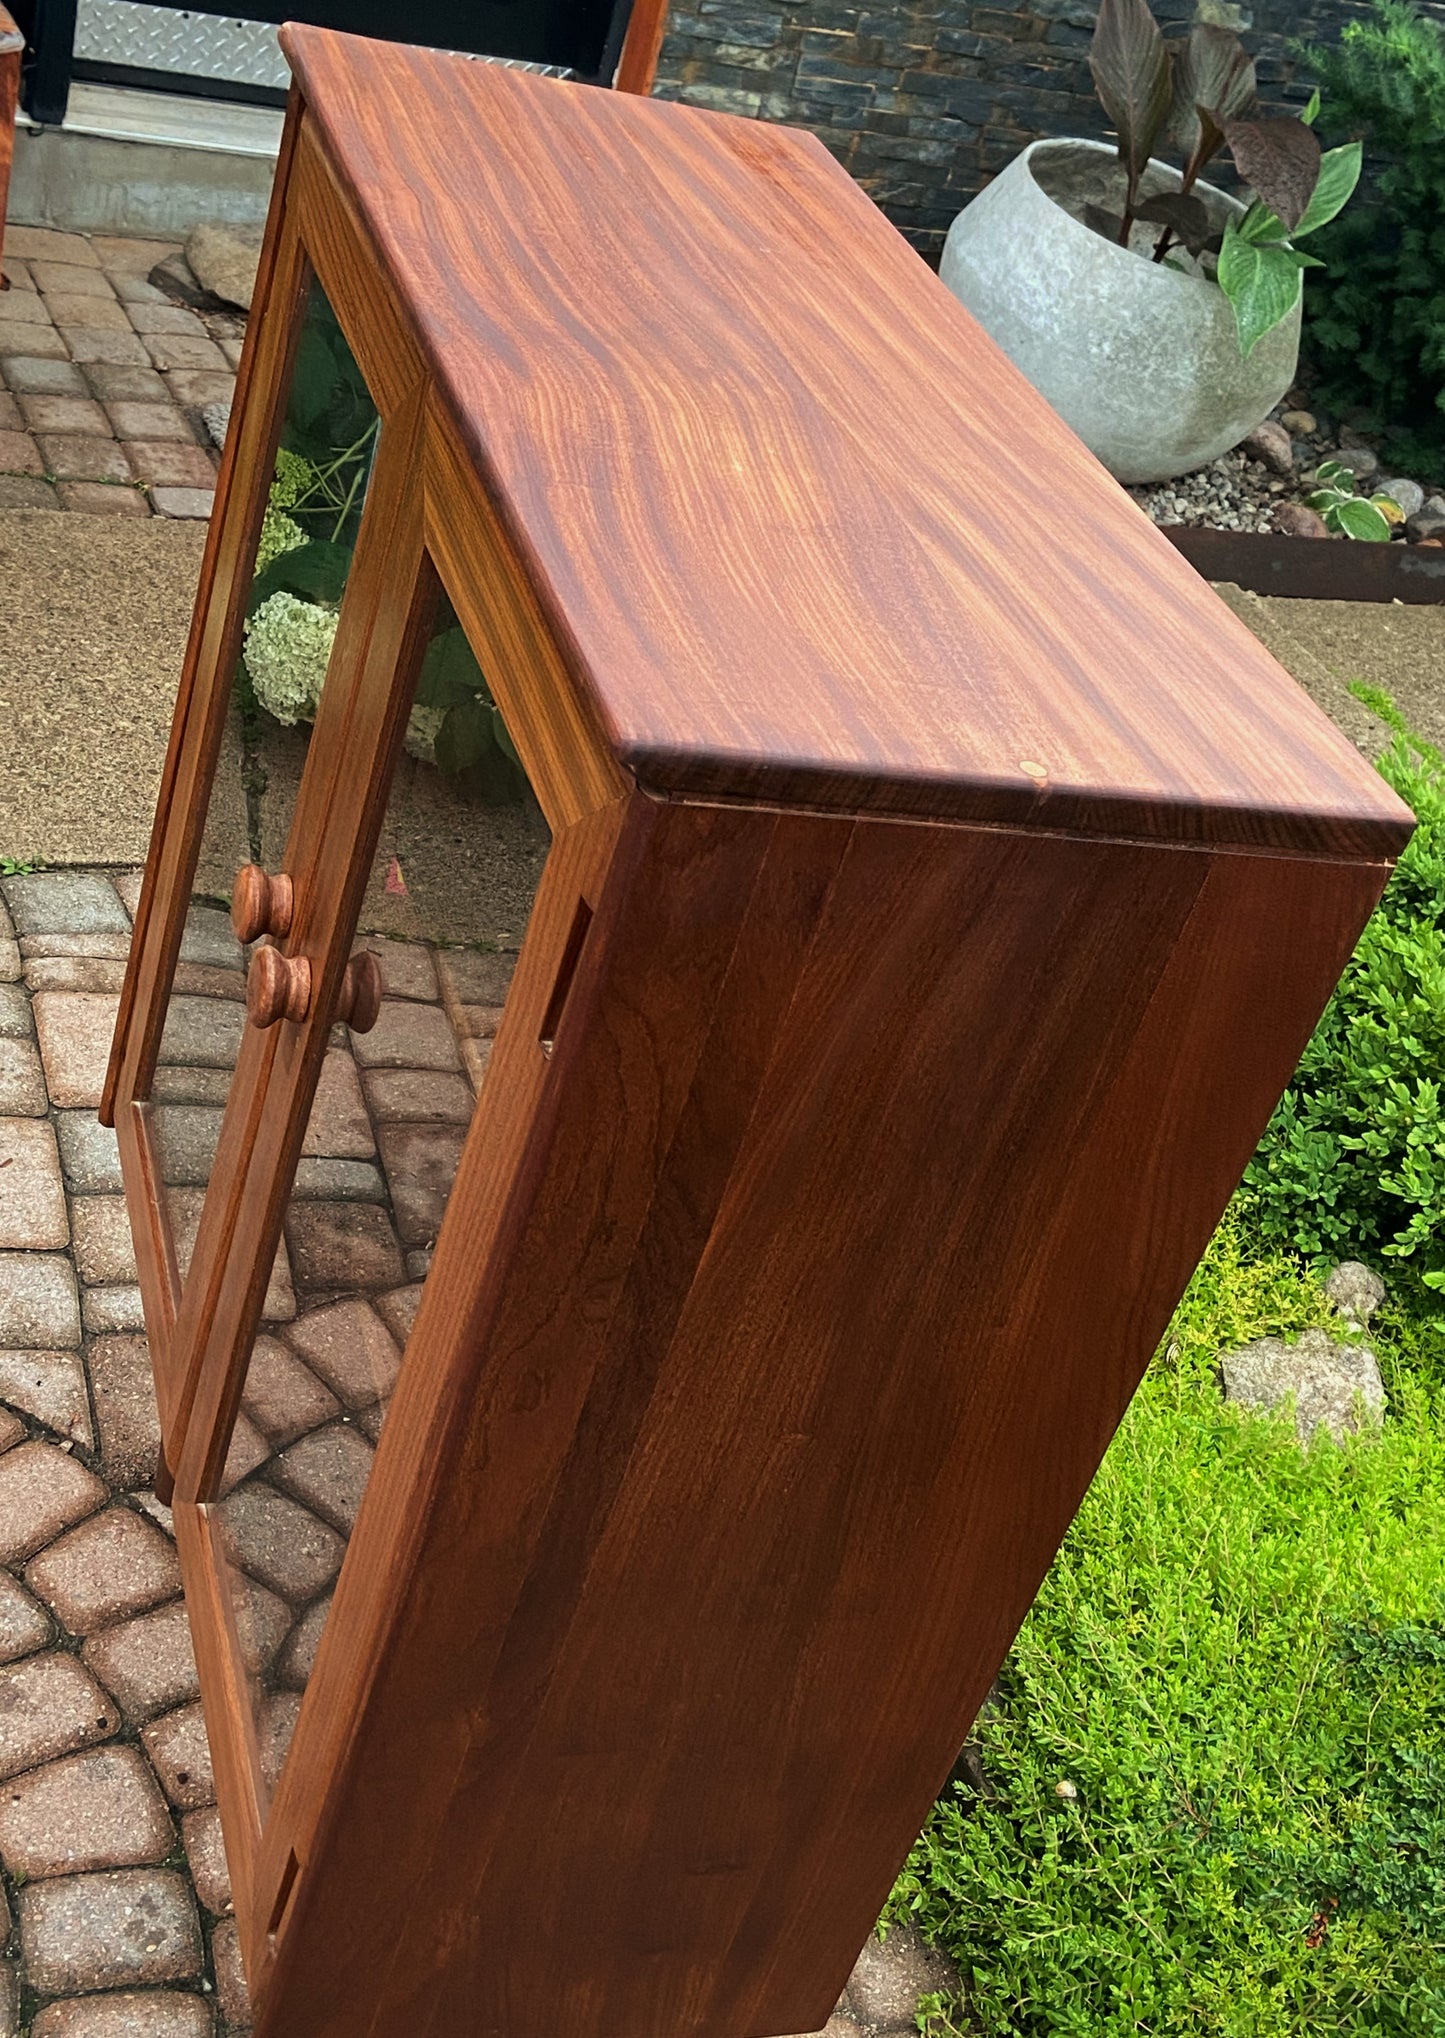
point(752, 1394)
point(809, 535)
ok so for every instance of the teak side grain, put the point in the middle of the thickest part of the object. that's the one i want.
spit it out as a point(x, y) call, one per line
point(786, 1302)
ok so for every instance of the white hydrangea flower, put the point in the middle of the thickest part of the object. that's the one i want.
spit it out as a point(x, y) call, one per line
point(279, 533)
point(288, 642)
point(421, 733)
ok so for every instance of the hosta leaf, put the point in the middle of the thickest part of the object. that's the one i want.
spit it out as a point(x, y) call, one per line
point(450, 674)
point(1212, 70)
point(1339, 174)
point(1262, 285)
point(1360, 519)
point(1131, 71)
point(504, 737)
point(1281, 159)
point(317, 572)
point(465, 735)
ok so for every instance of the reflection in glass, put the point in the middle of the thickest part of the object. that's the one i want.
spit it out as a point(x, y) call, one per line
point(458, 861)
point(328, 446)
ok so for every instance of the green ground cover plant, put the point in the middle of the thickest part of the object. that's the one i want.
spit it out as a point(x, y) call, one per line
point(1353, 1161)
point(1207, 1799)
point(1375, 315)
point(1211, 1794)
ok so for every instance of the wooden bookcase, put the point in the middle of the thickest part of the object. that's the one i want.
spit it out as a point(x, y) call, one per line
point(934, 888)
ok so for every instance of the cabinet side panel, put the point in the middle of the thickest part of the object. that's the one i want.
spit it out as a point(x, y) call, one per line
point(967, 1108)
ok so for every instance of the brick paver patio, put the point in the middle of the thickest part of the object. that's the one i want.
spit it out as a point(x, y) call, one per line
point(119, 1922)
point(104, 378)
point(109, 1837)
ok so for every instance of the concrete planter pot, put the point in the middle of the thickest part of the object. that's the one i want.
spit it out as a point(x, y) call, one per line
point(1140, 359)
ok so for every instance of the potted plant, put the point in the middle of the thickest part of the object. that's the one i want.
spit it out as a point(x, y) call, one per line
point(1159, 315)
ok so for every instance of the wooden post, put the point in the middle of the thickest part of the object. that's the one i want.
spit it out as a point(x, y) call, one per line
point(12, 44)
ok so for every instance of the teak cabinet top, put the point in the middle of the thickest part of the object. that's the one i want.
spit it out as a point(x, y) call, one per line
point(781, 500)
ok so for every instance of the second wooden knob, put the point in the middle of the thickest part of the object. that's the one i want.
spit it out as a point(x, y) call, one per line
point(359, 1003)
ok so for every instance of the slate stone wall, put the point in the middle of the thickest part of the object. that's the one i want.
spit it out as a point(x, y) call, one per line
point(923, 100)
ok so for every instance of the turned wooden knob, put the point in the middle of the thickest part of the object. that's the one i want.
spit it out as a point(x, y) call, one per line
point(277, 987)
point(261, 904)
point(360, 1000)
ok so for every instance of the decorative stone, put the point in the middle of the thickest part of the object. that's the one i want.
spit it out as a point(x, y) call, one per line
point(246, 1450)
point(263, 1621)
point(421, 1164)
point(223, 260)
point(1356, 1291)
point(280, 1544)
point(407, 969)
point(1427, 523)
point(131, 1926)
point(100, 1235)
point(282, 1396)
point(178, 1747)
point(147, 1664)
point(75, 1030)
point(99, 1809)
point(202, 1032)
point(475, 976)
point(51, 1387)
point(327, 1472)
point(338, 1127)
point(114, 1565)
point(347, 1344)
point(185, 1137)
point(230, 1975)
point(407, 1036)
point(190, 1086)
point(210, 939)
point(15, 1022)
point(125, 1408)
point(205, 1846)
point(338, 1181)
point(38, 1303)
point(89, 1154)
point(343, 1245)
point(153, 2013)
point(1271, 444)
point(418, 1096)
point(42, 1492)
point(22, 1085)
point(185, 1212)
point(112, 947)
point(298, 1659)
point(1336, 1387)
point(398, 1310)
point(49, 1706)
point(1300, 424)
point(476, 1060)
point(24, 1627)
point(1298, 520)
point(32, 1199)
point(1408, 494)
point(890, 1976)
point(64, 902)
point(103, 1310)
point(75, 972)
